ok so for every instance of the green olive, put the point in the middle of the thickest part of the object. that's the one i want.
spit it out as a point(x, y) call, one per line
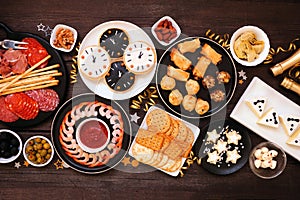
point(46, 146)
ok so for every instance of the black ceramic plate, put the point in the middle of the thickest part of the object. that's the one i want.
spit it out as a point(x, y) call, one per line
point(55, 59)
point(243, 147)
point(226, 64)
point(59, 117)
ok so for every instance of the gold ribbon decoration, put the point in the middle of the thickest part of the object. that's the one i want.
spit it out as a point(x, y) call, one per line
point(145, 100)
point(73, 72)
point(188, 163)
point(223, 40)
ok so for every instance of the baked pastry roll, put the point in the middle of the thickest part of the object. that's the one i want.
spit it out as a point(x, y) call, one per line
point(180, 60)
point(201, 106)
point(201, 67)
point(167, 83)
point(175, 97)
point(189, 46)
point(178, 74)
point(189, 102)
point(210, 53)
point(192, 87)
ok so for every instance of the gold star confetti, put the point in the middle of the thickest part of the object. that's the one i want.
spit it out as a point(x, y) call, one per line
point(58, 164)
point(135, 163)
point(126, 161)
point(241, 81)
point(17, 165)
point(26, 163)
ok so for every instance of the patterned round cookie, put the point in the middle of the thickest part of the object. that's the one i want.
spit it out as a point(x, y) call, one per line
point(94, 62)
point(160, 119)
point(114, 41)
point(139, 57)
point(119, 78)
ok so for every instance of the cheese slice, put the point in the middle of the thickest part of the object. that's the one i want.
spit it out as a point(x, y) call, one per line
point(294, 139)
point(257, 105)
point(290, 123)
point(270, 119)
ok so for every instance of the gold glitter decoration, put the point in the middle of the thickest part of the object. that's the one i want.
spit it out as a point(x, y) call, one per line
point(59, 164)
point(241, 81)
point(273, 52)
point(73, 72)
point(145, 100)
point(223, 40)
point(126, 161)
point(189, 161)
point(26, 163)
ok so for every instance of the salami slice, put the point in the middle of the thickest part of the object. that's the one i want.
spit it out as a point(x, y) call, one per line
point(47, 99)
point(5, 114)
point(22, 105)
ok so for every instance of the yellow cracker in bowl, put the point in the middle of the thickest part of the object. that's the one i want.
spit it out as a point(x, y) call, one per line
point(159, 119)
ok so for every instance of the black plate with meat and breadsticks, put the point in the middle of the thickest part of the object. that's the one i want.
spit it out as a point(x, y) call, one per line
point(196, 77)
point(91, 134)
point(33, 81)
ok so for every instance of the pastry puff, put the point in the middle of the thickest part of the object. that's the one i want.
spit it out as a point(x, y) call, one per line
point(180, 60)
point(201, 67)
point(178, 74)
point(189, 46)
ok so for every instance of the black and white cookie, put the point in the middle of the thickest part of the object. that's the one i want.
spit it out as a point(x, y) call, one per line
point(119, 78)
point(114, 41)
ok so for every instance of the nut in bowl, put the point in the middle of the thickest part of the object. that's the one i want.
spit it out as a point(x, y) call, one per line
point(38, 151)
point(249, 45)
point(267, 160)
point(10, 146)
point(63, 38)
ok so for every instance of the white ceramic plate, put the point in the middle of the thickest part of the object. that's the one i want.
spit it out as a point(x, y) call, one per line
point(280, 103)
point(100, 87)
point(194, 129)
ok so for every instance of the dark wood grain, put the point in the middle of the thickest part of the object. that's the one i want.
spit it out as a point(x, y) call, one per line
point(280, 19)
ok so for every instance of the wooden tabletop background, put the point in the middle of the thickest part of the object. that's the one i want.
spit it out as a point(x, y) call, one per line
point(279, 19)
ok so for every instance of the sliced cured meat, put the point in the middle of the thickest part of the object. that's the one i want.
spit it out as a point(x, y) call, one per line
point(47, 99)
point(21, 65)
point(22, 105)
point(5, 114)
point(35, 52)
point(12, 56)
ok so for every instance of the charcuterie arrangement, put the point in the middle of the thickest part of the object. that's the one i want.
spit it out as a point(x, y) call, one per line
point(195, 78)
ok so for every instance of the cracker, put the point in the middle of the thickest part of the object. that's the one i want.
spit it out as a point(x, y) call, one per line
point(153, 142)
point(190, 136)
point(169, 165)
point(141, 153)
point(159, 119)
point(175, 130)
point(154, 158)
point(163, 161)
point(158, 159)
point(182, 133)
point(166, 143)
point(173, 151)
point(175, 166)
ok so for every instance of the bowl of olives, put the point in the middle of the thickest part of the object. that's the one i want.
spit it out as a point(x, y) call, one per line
point(38, 151)
point(10, 146)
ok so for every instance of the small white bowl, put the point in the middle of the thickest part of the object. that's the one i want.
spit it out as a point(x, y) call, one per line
point(26, 155)
point(260, 35)
point(53, 37)
point(11, 159)
point(174, 24)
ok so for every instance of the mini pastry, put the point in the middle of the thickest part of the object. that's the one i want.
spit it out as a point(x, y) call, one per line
point(208, 82)
point(192, 87)
point(221, 146)
point(217, 95)
point(189, 102)
point(94, 62)
point(180, 60)
point(189, 46)
point(139, 57)
point(114, 41)
point(213, 157)
point(119, 78)
point(202, 106)
point(178, 74)
point(233, 137)
point(201, 67)
point(212, 136)
point(257, 105)
point(269, 119)
point(167, 83)
point(290, 123)
point(294, 139)
point(175, 97)
point(211, 54)
point(232, 156)
point(223, 77)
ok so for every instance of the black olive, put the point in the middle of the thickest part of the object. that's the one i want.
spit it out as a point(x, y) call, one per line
point(4, 145)
point(14, 151)
point(15, 142)
point(7, 154)
point(4, 136)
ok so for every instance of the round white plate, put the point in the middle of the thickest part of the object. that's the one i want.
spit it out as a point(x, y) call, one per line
point(100, 87)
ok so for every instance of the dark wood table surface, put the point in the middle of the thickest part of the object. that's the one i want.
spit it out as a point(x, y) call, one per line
point(279, 19)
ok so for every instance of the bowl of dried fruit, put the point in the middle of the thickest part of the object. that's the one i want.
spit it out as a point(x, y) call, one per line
point(38, 151)
point(249, 45)
point(267, 160)
point(63, 38)
point(10, 146)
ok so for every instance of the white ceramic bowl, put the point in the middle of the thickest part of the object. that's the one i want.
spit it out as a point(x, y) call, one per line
point(11, 159)
point(53, 37)
point(260, 35)
point(26, 155)
point(174, 24)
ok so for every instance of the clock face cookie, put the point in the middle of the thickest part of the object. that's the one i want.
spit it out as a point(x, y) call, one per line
point(94, 62)
point(139, 57)
point(114, 41)
point(119, 78)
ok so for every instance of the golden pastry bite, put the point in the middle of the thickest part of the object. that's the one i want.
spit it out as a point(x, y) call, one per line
point(167, 83)
point(178, 74)
point(175, 97)
point(189, 46)
point(202, 106)
point(210, 53)
point(208, 82)
point(189, 102)
point(223, 77)
point(201, 67)
point(180, 60)
point(192, 87)
point(217, 95)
